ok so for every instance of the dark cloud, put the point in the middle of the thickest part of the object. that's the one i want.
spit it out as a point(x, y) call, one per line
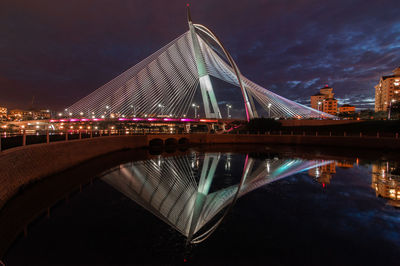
point(59, 51)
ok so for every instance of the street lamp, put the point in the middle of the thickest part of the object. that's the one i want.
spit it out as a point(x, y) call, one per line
point(161, 108)
point(319, 104)
point(269, 110)
point(134, 110)
point(228, 107)
point(195, 106)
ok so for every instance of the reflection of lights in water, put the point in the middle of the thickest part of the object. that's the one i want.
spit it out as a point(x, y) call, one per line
point(228, 162)
point(317, 172)
point(182, 196)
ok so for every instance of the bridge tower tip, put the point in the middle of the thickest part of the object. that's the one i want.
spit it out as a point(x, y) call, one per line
point(189, 17)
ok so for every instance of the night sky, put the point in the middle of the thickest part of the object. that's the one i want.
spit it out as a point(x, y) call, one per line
point(59, 51)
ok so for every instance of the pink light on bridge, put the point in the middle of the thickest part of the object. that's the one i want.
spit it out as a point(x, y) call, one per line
point(170, 119)
point(84, 119)
point(208, 120)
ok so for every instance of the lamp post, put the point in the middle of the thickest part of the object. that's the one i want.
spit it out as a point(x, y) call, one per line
point(319, 104)
point(390, 108)
point(109, 112)
point(195, 106)
point(228, 107)
point(134, 110)
point(161, 108)
point(269, 110)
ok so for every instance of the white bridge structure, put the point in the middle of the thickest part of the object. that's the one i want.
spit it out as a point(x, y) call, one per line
point(165, 84)
point(178, 190)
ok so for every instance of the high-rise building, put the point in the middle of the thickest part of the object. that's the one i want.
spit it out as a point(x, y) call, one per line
point(324, 101)
point(3, 113)
point(387, 91)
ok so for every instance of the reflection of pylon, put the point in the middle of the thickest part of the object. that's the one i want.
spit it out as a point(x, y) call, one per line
point(178, 191)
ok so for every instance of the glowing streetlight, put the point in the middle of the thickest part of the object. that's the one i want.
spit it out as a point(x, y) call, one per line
point(319, 104)
point(269, 110)
point(195, 106)
point(228, 108)
point(161, 108)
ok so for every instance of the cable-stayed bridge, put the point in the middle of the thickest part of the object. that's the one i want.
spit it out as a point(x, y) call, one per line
point(166, 82)
point(178, 190)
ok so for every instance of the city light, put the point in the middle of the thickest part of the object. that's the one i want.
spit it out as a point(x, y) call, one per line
point(269, 110)
point(195, 106)
point(228, 107)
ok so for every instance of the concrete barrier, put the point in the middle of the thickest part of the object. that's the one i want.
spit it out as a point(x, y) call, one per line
point(26, 164)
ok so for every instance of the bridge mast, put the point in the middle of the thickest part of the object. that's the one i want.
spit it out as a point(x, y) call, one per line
point(211, 108)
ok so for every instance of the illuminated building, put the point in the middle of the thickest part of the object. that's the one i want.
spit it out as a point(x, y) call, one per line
point(344, 164)
point(3, 113)
point(19, 114)
point(347, 109)
point(385, 183)
point(387, 91)
point(324, 101)
point(323, 174)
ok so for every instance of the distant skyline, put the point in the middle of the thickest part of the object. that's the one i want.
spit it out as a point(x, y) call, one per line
point(60, 51)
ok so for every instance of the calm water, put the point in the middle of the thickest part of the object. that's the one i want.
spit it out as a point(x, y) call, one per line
point(258, 205)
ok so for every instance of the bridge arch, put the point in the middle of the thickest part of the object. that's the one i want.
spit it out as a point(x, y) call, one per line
point(183, 141)
point(156, 142)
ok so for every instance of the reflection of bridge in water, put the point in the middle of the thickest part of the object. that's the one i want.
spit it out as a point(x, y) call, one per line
point(180, 190)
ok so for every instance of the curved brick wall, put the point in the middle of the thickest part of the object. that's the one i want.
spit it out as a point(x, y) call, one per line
point(23, 165)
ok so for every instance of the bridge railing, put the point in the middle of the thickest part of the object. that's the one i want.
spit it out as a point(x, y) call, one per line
point(13, 140)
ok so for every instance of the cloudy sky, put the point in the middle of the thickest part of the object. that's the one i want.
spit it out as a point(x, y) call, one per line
point(59, 51)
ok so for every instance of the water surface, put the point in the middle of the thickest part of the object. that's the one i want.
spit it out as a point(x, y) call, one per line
point(254, 205)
